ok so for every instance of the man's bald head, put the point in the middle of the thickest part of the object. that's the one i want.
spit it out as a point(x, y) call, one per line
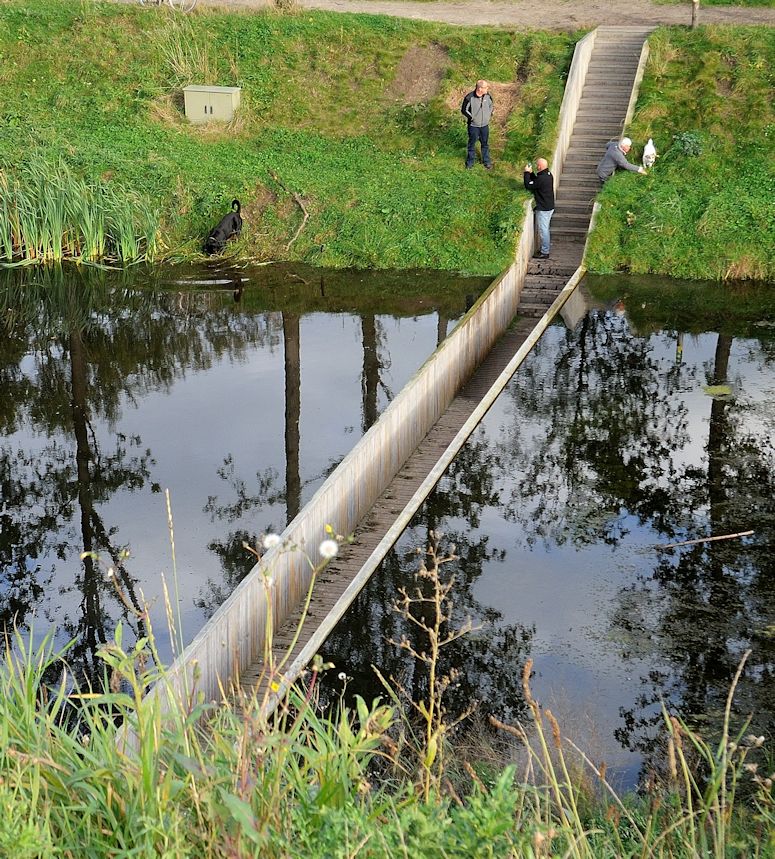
point(542, 164)
point(482, 87)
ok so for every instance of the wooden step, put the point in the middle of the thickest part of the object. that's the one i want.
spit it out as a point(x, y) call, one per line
point(566, 206)
point(581, 199)
point(540, 296)
point(569, 219)
point(587, 149)
point(554, 265)
point(575, 184)
point(545, 282)
point(598, 125)
point(586, 176)
point(581, 159)
point(573, 234)
point(603, 90)
point(620, 102)
point(613, 64)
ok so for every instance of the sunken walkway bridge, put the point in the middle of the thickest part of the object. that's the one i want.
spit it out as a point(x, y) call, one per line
point(276, 620)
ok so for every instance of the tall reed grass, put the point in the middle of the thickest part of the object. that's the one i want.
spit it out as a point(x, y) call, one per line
point(202, 780)
point(49, 214)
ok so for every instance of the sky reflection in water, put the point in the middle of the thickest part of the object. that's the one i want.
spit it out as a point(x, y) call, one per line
point(238, 400)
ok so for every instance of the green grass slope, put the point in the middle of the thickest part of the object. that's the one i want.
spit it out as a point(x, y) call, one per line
point(325, 116)
point(707, 209)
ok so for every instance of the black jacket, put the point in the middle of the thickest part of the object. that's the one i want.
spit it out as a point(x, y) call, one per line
point(541, 184)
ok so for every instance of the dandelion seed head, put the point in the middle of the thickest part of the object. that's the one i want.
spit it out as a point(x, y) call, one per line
point(328, 549)
point(270, 541)
point(342, 676)
point(110, 573)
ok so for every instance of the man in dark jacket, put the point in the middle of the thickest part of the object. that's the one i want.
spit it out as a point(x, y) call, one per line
point(541, 184)
point(477, 108)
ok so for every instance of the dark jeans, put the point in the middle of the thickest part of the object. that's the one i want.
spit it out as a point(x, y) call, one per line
point(483, 135)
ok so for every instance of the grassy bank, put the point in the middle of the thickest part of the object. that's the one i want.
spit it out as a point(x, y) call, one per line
point(707, 209)
point(313, 787)
point(357, 115)
point(199, 781)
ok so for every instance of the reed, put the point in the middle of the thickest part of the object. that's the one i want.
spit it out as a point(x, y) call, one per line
point(202, 780)
point(49, 214)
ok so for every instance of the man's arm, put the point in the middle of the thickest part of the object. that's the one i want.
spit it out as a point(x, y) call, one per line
point(465, 108)
point(620, 159)
point(529, 178)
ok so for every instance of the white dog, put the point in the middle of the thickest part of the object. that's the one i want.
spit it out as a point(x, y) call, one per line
point(649, 154)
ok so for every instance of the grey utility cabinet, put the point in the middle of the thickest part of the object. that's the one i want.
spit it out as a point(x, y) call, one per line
point(206, 103)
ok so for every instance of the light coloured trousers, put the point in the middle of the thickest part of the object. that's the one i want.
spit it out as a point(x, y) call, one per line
point(542, 222)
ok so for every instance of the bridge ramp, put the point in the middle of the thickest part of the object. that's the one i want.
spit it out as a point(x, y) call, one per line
point(606, 101)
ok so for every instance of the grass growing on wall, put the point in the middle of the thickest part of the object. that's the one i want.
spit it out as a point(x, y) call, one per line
point(707, 210)
point(327, 109)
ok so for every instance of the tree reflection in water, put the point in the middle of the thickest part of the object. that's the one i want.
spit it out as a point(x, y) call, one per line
point(86, 353)
point(604, 438)
point(615, 456)
point(489, 660)
point(705, 604)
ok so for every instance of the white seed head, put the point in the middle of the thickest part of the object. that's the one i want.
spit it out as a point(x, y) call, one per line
point(328, 549)
point(270, 541)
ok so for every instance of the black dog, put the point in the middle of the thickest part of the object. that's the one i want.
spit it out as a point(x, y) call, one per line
point(230, 225)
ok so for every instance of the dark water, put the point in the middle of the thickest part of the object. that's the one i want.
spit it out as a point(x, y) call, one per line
point(237, 391)
point(608, 443)
point(241, 391)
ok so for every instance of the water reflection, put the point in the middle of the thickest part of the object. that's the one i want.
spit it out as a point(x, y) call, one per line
point(238, 390)
point(606, 444)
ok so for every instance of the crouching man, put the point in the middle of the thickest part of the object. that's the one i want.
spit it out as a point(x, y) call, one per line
point(541, 185)
point(616, 157)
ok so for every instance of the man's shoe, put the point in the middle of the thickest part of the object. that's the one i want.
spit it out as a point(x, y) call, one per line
point(543, 256)
point(488, 166)
point(469, 166)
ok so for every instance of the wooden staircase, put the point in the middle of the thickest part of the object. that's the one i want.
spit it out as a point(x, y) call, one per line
point(600, 118)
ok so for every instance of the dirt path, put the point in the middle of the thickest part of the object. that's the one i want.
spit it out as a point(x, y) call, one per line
point(546, 15)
